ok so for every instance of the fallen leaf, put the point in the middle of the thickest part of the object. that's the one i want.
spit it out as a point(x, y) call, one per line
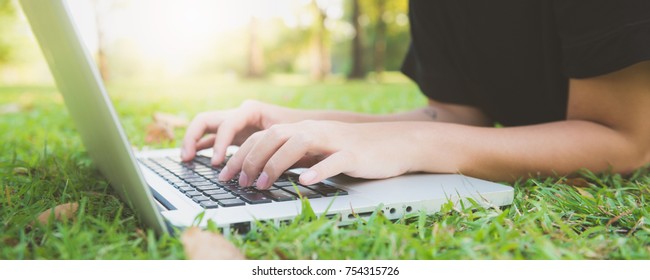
point(10, 108)
point(61, 212)
point(170, 120)
point(21, 171)
point(577, 182)
point(613, 220)
point(583, 193)
point(157, 133)
point(10, 241)
point(8, 195)
point(280, 254)
point(204, 245)
point(162, 127)
point(140, 233)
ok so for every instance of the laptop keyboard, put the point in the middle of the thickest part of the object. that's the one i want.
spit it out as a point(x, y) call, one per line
point(199, 181)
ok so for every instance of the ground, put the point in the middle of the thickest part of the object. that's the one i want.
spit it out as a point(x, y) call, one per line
point(43, 164)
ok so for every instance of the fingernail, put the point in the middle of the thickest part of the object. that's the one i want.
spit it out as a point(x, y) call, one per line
point(183, 153)
point(223, 175)
point(262, 180)
point(243, 179)
point(307, 177)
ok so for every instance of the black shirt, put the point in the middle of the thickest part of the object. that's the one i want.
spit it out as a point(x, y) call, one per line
point(513, 58)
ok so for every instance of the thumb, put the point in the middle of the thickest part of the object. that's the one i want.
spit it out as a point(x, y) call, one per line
point(333, 165)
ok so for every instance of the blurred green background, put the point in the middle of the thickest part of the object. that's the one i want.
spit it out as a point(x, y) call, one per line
point(294, 41)
point(183, 57)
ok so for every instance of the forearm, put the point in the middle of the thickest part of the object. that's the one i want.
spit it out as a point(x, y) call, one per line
point(506, 154)
point(432, 112)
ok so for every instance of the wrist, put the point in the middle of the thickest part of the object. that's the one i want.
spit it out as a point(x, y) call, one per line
point(433, 150)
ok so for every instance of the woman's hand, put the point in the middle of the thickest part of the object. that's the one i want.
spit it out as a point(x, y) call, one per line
point(219, 129)
point(372, 151)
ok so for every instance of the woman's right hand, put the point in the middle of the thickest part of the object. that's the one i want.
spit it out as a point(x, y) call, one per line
point(220, 129)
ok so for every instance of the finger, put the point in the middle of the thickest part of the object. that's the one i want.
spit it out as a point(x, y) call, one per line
point(333, 165)
point(259, 155)
point(194, 132)
point(225, 135)
point(235, 163)
point(205, 142)
point(291, 152)
point(247, 114)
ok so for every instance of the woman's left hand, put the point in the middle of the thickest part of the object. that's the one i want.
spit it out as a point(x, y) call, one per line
point(328, 148)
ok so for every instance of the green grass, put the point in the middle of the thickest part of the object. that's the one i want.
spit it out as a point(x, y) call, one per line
point(549, 219)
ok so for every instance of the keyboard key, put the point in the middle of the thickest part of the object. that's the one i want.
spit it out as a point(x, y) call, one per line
point(230, 202)
point(282, 184)
point(232, 188)
point(213, 192)
point(203, 160)
point(203, 183)
point(279, 195)
point(222, 196)
point(199, 199)
point(242, 191)
point(227, 184)
point(195, 180)
point(174, 180)
point(193, 194)
point(209, 204)
point(206, 187)
point(326, 190)
point(255, 198)
point(305, 192)
point(209, 174)
point(186, 189)
point(180, 185)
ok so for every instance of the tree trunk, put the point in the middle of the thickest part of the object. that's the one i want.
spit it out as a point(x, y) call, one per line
point(321, 61)
point(102, 59)
point(380, 40)
point(357, 43)
point(255, 65)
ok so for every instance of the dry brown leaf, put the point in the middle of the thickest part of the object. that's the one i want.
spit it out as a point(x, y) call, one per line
point(613, 220)
point(162, 127)
point(8, 196)
point(140, 233)
point(21, 171)
point(577, 182)
point(61, 212)
point(170, 120)
point(584, 193)
point(10, 108)
point(157, 133)
point(10, 241)
point(204, 245)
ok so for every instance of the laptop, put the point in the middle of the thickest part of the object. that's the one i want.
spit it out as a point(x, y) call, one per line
point(166, 193)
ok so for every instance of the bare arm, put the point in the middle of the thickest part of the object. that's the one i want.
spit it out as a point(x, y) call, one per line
point(434, 111)
point(219, 129)
point(607, 128)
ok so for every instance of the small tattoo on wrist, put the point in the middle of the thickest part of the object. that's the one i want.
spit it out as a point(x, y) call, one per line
point(431, 112)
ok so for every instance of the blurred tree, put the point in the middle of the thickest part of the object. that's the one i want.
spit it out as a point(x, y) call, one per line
point(380, 39)
point(376, 20)
point(321, 65)
point(255, 67)
point(7, 18)
point(103, 10)
point(357, 71)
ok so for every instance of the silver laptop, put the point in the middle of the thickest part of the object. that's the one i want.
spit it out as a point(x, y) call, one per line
point(165, 192)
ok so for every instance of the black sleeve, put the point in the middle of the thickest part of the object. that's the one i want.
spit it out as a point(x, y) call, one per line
point(602, 36)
